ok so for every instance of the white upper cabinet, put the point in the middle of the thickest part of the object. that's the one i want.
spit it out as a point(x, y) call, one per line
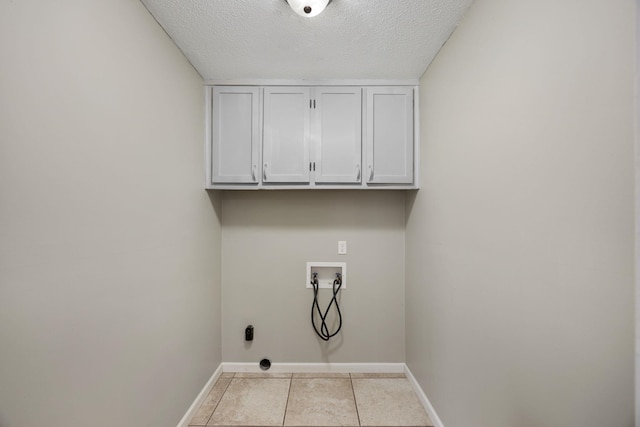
point(317, 136)
point(338, 135)
point(235, 135)
point(389, 135)
point(285, 154)
point(312, 135)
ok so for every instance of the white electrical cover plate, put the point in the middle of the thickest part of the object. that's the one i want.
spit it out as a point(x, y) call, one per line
point(326, 273)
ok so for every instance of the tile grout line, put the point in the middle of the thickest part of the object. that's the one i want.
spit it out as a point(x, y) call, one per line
point(220, 400)
point(355, 402)
point(286, 406)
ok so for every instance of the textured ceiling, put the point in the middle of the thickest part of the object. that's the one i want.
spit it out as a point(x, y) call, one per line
point(351, 39)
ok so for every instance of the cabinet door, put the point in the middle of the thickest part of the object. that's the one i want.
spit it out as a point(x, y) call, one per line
point(235, 134)
point(389, 136)
point(338, 134)
point(286, 135)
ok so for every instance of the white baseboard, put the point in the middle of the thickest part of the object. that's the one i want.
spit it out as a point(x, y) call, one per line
point(423, 398)
point(184, 422)
point(317, 367)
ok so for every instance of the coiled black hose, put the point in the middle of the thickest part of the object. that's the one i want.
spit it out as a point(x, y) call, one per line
point(315, 307)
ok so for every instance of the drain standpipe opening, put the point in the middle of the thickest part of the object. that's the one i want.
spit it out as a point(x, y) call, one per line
point(265, 364)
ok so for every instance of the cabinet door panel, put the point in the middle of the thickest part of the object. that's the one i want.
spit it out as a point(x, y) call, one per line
point(389, 135)
point(235, 134)
point(338, 142)
point(286, 135)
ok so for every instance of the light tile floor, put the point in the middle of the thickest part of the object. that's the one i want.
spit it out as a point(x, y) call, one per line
point(306, 399)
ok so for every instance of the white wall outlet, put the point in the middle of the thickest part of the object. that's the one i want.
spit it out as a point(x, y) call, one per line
point(342, 247)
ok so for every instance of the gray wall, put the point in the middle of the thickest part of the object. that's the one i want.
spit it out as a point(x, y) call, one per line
point(267, 239)
point(109, 247)
point(520, 243)
point(637, 210)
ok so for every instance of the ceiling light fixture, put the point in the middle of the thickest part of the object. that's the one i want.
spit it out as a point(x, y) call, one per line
point(308, 8)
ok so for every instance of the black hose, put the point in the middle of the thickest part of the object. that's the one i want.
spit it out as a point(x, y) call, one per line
point(324, 329)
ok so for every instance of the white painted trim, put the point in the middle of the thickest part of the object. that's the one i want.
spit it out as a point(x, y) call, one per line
point(271, 187)
point(423, 398)
point(302, 82)
point(184, 422)
point(395, 368)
